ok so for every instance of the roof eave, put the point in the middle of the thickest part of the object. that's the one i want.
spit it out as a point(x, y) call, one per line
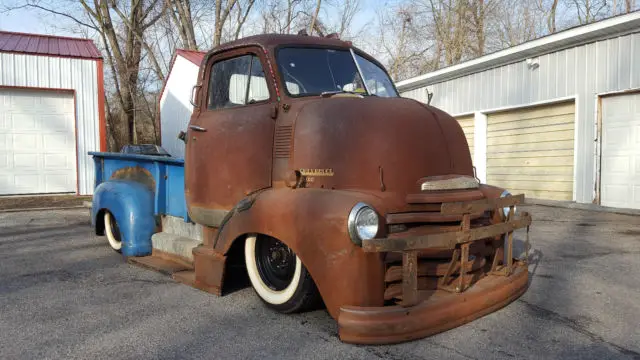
point(616, 26)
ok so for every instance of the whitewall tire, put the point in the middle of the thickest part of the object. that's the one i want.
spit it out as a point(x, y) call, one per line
point(112, 231)
point(278, 276)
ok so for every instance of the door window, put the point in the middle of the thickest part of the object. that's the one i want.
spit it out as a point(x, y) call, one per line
point(236, 82)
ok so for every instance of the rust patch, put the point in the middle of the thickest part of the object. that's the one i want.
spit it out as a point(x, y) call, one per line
point(137, 174)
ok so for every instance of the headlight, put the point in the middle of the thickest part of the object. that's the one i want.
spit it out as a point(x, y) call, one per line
point(505, 210)
point(363, 223)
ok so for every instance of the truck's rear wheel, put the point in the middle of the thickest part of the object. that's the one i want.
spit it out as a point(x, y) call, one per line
point(278, 276)
point(112, 231)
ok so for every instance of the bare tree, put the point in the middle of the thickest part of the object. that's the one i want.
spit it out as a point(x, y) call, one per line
point(450, 24)
point(314, 18)
point(243, 9)
point(630, 5)
point(588, 11)
point(550, 13)
point(180, 14)
point(516, 22)
point(223, 8)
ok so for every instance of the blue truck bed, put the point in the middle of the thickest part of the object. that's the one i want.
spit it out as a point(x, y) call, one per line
point(136, 190)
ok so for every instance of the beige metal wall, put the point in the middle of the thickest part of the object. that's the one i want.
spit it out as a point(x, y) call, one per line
point(467, 124)
point(531, 151)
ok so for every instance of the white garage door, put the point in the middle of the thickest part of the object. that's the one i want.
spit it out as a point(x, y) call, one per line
point(37, 142)
point(620, 174)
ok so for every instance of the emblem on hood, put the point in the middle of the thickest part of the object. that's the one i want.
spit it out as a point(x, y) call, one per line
point(316, 172)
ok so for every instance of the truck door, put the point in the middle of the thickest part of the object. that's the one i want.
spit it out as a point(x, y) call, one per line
point(230, 136)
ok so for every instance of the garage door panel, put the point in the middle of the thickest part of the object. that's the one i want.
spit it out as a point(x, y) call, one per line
point(558, 186)
point(56, 161)
point(5, 142)
point(26, 161)
point(533, 131)
point(533, 113)
point(508, 176)
point(531, 151)
point(531, 171)
point(467, 123)
point(532, 123)
point(57, 141)
point(527, 138)
point(620, 164)
point(20, 122)
point(531, 147)
point(529, 154)
point(37, 142)
point(531, 162)
point(620, 159)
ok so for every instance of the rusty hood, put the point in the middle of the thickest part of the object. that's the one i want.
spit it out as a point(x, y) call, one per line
point(373, 143)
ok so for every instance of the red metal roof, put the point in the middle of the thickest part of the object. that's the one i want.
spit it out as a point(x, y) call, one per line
point(192, 55)
point(48, 45)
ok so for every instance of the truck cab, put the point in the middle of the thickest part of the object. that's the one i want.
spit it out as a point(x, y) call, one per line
point(302, 158)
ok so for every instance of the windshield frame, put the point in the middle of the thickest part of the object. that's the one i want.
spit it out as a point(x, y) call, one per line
point(352, 50)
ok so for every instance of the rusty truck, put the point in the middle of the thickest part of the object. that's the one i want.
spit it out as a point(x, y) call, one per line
point(306, 171)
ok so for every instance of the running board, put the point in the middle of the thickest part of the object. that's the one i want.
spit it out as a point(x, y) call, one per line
point(175, 245)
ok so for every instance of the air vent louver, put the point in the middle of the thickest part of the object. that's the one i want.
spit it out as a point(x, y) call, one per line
point(283, 141)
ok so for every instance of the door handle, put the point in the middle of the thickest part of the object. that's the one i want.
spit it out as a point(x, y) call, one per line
point(197, 128)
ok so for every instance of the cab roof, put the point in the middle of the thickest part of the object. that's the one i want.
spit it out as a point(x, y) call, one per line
point(273, 40)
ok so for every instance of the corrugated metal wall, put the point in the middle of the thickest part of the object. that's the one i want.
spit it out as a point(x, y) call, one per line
point(582, 72)
point(63, 73)
point(175, 105)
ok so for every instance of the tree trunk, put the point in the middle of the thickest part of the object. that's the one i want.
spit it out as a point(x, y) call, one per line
point(312, 26)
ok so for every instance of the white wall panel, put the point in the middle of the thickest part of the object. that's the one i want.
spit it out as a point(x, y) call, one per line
point(65, 73)
point(582, 72)
point(175, 105)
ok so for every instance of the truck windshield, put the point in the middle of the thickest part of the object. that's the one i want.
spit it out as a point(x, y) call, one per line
point(316, 71)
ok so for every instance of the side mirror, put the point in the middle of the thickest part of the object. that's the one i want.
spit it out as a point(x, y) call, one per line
point(194, 93)
point(182, 136)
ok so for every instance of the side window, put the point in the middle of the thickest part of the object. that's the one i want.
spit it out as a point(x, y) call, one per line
point(236, 82)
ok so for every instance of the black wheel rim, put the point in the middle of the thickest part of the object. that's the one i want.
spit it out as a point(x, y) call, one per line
point(276, 263)
point(115, 230)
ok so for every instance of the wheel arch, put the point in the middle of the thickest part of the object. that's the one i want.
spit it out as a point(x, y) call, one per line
point(131, 204)
point(312, 222)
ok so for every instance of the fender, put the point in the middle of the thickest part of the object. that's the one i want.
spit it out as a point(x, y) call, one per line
point(313, 223)
point(131, 203)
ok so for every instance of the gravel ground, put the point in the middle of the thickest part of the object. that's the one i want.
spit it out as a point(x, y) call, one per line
point(65, 295)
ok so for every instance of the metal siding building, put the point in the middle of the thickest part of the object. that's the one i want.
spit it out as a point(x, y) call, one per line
point(51, 113)
point(175, 99)
point(580, 67)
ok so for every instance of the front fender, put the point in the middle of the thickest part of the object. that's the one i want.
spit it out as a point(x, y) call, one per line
point(131, 203)
point(313, 222)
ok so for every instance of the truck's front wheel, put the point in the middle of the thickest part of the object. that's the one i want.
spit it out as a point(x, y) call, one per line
point(278, 276)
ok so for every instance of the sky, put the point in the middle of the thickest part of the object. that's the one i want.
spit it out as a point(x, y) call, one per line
point(31, 21)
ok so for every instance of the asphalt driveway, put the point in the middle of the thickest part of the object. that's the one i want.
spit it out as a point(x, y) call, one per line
point(65, 294)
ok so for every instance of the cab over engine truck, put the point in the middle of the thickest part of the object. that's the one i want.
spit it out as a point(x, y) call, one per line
point(302, 158)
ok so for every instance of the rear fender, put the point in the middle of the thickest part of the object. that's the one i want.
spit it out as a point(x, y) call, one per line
point(131, 203)
point(313, 222)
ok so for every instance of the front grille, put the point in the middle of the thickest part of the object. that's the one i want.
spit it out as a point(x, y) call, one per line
point(434, 263)
point(432, 267)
